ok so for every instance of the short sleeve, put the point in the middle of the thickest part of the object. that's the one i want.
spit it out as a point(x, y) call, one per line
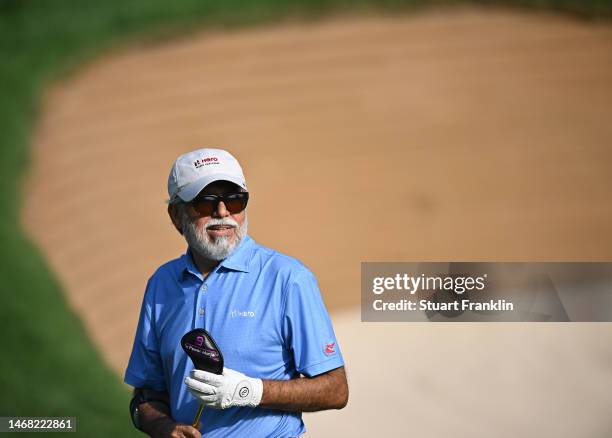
point(145, 369)
point(307, 327)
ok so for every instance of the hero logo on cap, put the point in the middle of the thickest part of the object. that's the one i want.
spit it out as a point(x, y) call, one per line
point(205, 161)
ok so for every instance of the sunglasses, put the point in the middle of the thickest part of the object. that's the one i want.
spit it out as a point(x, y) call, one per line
point(205, 205)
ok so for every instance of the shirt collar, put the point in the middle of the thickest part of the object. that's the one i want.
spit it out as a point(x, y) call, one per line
point(189, 266)
point(238, 260)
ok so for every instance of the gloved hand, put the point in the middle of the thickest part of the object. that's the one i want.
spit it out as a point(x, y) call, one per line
point(226, 390)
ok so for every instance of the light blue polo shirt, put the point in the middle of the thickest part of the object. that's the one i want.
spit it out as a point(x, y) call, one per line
point(265, 312)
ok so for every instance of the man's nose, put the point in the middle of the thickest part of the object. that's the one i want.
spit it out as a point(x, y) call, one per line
point(221, 210)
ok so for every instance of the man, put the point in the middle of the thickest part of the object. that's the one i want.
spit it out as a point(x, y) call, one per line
point(263, 309)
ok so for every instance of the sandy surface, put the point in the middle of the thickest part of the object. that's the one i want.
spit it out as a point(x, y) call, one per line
point(461, 135)
point(500, 380)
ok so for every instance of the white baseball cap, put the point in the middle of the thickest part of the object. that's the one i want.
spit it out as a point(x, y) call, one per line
point(193, 171)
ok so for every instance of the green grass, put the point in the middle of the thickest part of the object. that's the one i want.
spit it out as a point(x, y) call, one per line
point(48, 367)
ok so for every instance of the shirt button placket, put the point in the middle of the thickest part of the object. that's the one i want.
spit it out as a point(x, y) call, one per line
point(202, 300)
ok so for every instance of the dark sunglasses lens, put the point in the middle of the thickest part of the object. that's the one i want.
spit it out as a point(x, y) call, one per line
point(204, 206)
point(236, 203)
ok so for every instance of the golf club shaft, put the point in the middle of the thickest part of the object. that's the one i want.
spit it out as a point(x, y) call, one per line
point(196, 419)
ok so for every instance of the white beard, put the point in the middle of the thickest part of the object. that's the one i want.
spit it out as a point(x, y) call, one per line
point(217, 249)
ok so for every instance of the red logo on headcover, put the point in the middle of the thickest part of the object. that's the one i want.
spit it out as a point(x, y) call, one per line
point(329, 348)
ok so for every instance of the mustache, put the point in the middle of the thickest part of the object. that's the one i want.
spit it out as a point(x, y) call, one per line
point(227, 222)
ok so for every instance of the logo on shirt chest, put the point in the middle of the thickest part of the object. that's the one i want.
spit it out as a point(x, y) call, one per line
point(242, 314)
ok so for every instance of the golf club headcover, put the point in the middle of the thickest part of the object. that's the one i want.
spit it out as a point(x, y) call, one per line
point(203, 351)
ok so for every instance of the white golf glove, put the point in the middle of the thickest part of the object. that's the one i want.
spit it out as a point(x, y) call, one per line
point(226, 390)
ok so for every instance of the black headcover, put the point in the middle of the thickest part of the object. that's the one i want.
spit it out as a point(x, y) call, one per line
point(203, 351)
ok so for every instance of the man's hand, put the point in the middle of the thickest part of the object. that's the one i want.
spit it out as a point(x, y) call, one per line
point(156, 422)
point(169, 429)
point(226, 390)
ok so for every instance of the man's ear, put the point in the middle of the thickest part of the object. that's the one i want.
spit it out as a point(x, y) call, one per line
point(173, 212)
